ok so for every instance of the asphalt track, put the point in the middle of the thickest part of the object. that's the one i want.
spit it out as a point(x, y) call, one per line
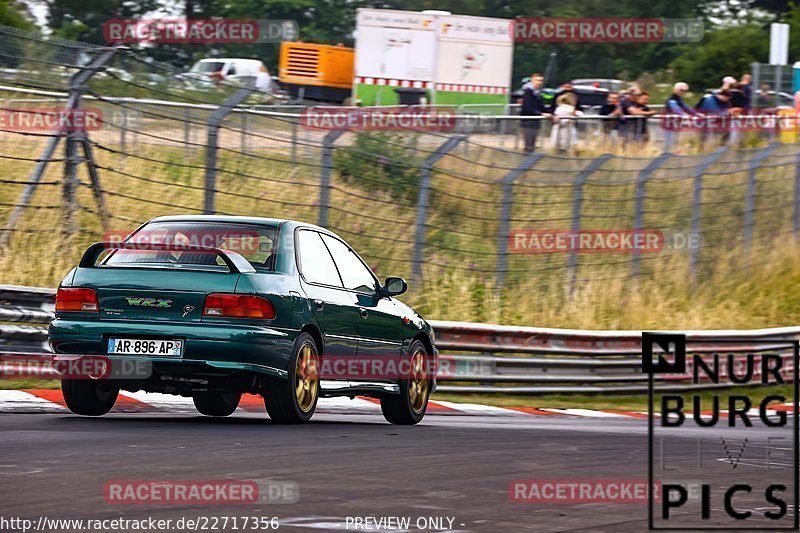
point(56, 465)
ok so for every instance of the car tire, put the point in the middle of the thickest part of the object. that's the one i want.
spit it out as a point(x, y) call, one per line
point(408, 407)
point(216, 403)
point(88, 397)
point(294, 401)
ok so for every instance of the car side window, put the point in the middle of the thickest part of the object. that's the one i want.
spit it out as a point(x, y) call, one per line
point(355, 275)
point(315, 260)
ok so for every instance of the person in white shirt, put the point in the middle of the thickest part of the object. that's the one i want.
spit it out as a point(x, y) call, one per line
point(564, 135)
point(263, 80)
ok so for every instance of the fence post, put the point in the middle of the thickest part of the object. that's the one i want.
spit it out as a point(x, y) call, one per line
point(423, 199)
point(187, 136)
point(294, 141)
point(212, 125)
point(77, 84)
point(505, 215)
point(577, 206)
point(697, 206)
point(244, 131)
point(123, 129)
point(325, 175)
point(750, 200)
point(638, 209)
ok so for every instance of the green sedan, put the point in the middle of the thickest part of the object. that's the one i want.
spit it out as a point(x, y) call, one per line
point(212, 307)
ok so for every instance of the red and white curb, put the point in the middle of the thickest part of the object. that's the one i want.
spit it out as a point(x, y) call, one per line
point(52, 401)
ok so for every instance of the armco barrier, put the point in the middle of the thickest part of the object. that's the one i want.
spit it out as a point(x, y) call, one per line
point(479, 357)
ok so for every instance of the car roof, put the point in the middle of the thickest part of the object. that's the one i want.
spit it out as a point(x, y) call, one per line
point(262, 221)
point(224, 59)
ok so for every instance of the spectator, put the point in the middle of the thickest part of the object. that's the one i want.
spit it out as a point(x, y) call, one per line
point(676, 106)
point(628, 124)
point(525, 81)
point(715, 103)
point(566, 88)
point(564, 134)
point(263, 81)
point(642, 112)
point(532, 106)
point(613, 110)
point(738, 99)
point(727, 82)
point(747, 90)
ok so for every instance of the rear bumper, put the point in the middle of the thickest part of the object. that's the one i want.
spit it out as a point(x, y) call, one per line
point(259, 349)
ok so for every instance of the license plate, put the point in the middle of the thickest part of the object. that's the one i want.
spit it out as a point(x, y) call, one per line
point(166, 348)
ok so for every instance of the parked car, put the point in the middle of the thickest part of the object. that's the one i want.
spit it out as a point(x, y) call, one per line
point(270, 307)
point(603, 83)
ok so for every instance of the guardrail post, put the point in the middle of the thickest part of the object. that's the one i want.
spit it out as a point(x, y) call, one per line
point(77, 84)
point(423, 199)
point(577, 206)
point(505, 215)
point(638, 209)
point(325, 175)
point(750, 200)
point(212, 126)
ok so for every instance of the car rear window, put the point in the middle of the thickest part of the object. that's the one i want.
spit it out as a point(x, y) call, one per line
point(254, 243)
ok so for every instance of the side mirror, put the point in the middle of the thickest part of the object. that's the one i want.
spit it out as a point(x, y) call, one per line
point(395, 286)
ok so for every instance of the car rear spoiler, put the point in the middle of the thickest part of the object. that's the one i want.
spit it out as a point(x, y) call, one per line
point(235, 262)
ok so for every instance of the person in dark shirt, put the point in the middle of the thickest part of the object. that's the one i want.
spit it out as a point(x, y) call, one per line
point(613, 110)
point(532, 106)
point(566, 88)
point(642, 112)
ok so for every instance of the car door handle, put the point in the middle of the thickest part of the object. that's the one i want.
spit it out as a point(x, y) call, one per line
point(319, 304)
point(362, 312)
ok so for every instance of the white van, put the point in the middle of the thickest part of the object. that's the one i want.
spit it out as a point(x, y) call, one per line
point(242, 71)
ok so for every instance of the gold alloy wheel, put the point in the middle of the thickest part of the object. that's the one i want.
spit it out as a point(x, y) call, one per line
point(418, 382)
point(306, 377)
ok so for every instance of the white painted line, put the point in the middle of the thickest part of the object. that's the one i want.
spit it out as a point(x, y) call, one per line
point(589, 413)
point(344, 405)
point(474, 408)
point(162, 401)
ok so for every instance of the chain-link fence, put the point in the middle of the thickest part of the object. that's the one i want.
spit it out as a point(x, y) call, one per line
point(421, 204)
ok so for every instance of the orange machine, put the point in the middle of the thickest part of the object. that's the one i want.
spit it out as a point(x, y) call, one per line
point(317, 71)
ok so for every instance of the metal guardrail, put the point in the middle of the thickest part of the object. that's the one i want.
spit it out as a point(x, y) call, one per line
point(482, 358)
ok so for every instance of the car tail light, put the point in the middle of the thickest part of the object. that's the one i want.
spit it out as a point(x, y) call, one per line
point(238, 306)
point(76, 299)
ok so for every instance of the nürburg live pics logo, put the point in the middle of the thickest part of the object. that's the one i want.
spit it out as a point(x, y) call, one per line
point(722, 432)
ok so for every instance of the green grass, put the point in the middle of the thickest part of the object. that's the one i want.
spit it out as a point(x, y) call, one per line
point(614, 402)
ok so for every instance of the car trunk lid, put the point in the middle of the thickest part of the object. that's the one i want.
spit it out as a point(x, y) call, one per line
point(154, 294)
